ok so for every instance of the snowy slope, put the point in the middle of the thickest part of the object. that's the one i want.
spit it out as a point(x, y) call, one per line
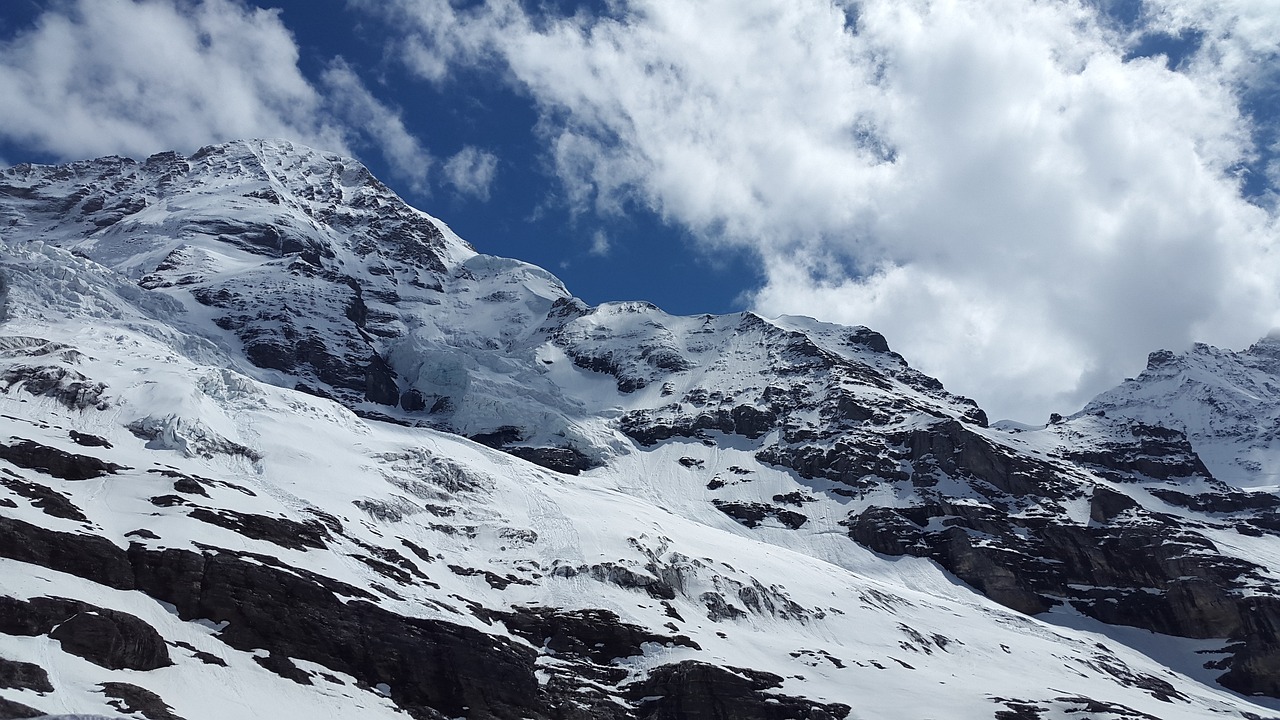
point(238, 390)
point(1228, 404)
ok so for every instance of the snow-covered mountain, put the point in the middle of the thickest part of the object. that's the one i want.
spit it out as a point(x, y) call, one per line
point(280, 445)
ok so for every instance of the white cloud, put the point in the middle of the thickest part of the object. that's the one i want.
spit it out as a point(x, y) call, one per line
point(138, 77)
point(988, 182)
point(600, 244)
point(383, 126)
point(471, 171)
point(133, 77)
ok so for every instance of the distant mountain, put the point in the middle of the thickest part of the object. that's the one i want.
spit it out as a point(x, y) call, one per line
point(280, 445)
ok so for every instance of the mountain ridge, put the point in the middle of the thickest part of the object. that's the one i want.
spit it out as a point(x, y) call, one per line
point(270, 366)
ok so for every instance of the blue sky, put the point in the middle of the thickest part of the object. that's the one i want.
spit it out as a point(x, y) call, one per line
point(1026, 197)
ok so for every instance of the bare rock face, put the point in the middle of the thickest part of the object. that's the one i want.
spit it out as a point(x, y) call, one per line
point(24, 676)
point(55, 462)
point(689, 690)
point(109, 638)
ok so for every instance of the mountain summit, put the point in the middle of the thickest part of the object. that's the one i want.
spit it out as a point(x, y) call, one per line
point(281, 445)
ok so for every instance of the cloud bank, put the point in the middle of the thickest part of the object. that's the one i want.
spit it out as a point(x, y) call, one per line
point(134, 77)
point(1021, 202)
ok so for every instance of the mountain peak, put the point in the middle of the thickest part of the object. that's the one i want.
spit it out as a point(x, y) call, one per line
point(329, 433)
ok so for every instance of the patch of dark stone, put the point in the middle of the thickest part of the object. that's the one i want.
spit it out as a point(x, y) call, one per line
point(598, 636)
point(1223, 502)
point(70, 388)
point(131, 699)
point(108, 638)
point(1149, 451)
point(1018, 710)
point(10, 710)
point(284, 667)
point(15, 675)
point(168, 500)
point(621, 576)
point(202, 656)
point(392, 572)
point(648, 427)
point(189, 486)
point(1107, 572)
point(496, 581)
point(280, 531)
point(432, 666)
point(719, 609)
point(46, 498)
point(796, 498)
point(692, 689)
point(565, 460)
point(1106, 504)
point(752, 514)
point(421, 552)
point(57, 463)
point(1114, 711)
point(195, 484)
point(87, 440)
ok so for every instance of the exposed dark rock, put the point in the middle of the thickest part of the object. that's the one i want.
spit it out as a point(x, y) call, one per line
point(88, 556)
point(1106, 504)
point(113, 639)
point(503, 436)
point(566, 460)
point(719, 609)
point(752, 514)
point(1146, 573)
point(17, 675)
point(281, 531)
point(1219, 502)
point(58, 463)
point(380, 382)
point(284, 667)
point(621, 576)
point(208, 658)
point(1150, 451)
point(690, 689)
point(129, 699)
point(109, 638)
point(167, 501)
point(46, 498)
point(597, 635)
point(10, 710)
point(648, 427)
point(190, 486)
point(412, 400)
point(496, 581)
point(88, 440)
point(427, 663)
point(70, 388)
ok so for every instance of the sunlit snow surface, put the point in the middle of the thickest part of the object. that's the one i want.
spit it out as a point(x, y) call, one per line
point(891, 638)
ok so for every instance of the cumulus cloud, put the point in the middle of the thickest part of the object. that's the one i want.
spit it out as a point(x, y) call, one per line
point(133, 77)
point(1001, 187)
point(471, 171)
